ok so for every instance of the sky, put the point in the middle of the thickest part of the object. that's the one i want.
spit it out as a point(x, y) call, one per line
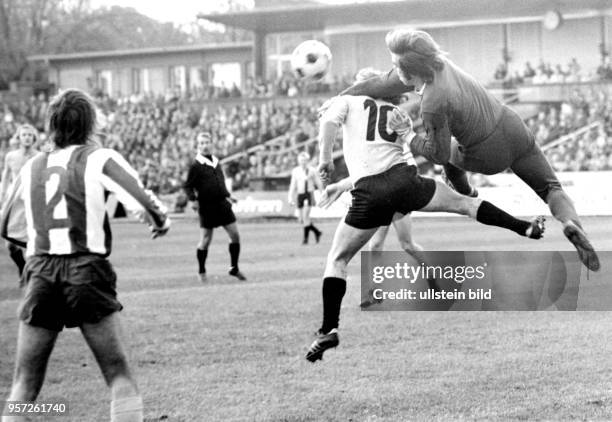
point(179, 11)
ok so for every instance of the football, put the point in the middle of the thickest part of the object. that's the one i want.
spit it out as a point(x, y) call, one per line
point(311, 60)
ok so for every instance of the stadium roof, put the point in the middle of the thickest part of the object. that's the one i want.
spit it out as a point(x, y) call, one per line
point(140, 51)
point(316, 17)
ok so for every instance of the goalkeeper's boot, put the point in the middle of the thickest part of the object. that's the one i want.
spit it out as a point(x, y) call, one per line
point(586, 252)
point(321, 344)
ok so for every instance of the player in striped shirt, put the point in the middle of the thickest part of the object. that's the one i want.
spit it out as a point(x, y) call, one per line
point(69, 281)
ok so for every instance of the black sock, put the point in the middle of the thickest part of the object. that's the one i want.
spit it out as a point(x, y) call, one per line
point(234, 250)
point(493, 216)
point(333, 292)
point(17, 256)
point(458, 178)
point(306, 232)
point(201, 254)
point(314, 229)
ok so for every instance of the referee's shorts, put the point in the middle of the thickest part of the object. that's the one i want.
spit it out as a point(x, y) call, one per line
point(216, 214)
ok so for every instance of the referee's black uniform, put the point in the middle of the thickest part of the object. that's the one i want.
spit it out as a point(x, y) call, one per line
point(206, 184)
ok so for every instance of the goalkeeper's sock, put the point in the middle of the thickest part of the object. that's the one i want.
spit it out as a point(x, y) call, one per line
point(128, 409)
point(491, 215)
point(458, 178)
point(201, 254)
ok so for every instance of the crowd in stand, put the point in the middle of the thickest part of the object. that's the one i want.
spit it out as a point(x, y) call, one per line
point(591, 150)
point(286, 85)
point(156, 135)
point(546, 73)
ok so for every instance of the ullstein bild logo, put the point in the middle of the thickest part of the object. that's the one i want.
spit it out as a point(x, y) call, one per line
point(481, 280)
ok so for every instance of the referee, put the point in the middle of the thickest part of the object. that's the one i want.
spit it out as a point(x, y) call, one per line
point(205, 186)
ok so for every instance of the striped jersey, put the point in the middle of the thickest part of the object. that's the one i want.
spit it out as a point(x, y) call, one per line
point(369, 146)
point(64, 195)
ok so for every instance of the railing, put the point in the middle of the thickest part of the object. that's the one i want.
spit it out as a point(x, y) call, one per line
point(259, 147)
point(572, 136)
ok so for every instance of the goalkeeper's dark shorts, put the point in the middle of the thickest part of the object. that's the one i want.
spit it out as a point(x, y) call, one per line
point(510, 145)
point(67, 291)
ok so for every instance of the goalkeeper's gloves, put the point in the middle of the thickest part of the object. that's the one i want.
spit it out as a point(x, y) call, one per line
point(400, 122)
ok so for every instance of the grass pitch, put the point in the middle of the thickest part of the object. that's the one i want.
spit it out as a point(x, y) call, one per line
point(232, 351)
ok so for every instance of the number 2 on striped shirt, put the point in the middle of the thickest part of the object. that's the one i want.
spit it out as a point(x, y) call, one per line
point(55, 187)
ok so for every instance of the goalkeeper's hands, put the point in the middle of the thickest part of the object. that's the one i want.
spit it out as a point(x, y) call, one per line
point(400, 122)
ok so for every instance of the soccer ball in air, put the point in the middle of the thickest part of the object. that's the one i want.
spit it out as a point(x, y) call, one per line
point(311, 60)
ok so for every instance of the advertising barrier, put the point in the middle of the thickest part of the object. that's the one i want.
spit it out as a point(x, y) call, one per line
point(591, 192)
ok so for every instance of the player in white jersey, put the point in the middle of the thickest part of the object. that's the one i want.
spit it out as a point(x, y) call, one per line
point(304, 181)
point(27, 137)
point(69, 281)
point(385, 188)
point(402, 226)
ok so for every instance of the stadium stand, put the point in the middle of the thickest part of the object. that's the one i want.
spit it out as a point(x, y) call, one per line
point(262, 137)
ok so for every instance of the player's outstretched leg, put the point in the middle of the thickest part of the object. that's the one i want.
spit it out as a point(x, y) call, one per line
point(104, 339)
point(534, 169)
point(445, 199)
point(562, 208)
point(347, 242)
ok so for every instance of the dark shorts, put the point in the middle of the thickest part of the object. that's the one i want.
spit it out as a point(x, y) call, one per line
point(67, 291)
point(377, 198)
point(303, 197)
point(216, 214)
point(511, 145)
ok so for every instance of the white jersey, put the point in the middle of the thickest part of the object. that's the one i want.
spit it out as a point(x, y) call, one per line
point(369, 146)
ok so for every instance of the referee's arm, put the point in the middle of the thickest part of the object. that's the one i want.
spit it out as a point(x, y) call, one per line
point(190, 184)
